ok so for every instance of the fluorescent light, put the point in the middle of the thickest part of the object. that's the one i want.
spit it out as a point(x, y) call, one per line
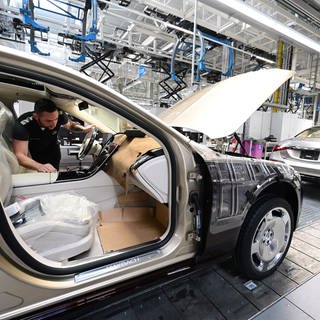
point(242, 11)
point(132, 84)
point(147, 41)
point(167, 46)
point(130, 27)
point(226, 26)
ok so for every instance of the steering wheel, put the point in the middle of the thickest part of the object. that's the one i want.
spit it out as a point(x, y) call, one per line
point(87, 143)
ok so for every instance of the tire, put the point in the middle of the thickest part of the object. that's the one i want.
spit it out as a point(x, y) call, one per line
point(264, 238)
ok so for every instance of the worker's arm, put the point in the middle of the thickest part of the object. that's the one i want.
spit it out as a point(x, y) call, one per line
point(73, 126)
point(20, 149)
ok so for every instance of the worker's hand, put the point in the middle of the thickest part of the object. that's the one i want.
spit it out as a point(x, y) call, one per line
point(89, 128)
point(47, 167)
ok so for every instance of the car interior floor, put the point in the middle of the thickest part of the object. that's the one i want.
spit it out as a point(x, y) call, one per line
point(123, 219)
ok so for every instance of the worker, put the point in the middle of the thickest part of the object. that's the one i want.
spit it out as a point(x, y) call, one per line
point(35, 136)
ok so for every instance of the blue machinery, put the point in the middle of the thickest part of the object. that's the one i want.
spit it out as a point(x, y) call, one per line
point(27, 11)
point(186, 47)
point(172, 84)
point(78, 42)
point(201, 65)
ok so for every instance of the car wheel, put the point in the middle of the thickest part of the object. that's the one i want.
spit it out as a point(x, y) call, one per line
point(264, 237)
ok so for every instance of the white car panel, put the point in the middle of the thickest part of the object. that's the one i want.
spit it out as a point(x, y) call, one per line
point(219, 110)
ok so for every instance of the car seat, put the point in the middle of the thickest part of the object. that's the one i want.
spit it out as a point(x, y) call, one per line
point(6, 127)
point(50, 234)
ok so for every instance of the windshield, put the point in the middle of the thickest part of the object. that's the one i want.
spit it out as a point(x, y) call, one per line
point(310, 133)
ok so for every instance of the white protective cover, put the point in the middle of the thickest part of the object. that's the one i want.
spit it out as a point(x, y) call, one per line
point(58, 226)
point(56, 240)
point(220, 109)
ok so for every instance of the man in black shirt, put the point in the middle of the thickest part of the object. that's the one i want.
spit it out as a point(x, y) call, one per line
point(36, 133)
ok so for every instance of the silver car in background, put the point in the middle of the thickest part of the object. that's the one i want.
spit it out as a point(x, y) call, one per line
point(301, 152)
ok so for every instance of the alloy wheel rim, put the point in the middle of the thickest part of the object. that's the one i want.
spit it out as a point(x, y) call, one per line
point(271, 239)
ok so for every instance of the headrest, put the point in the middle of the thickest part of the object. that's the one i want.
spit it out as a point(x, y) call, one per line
point(6, 122)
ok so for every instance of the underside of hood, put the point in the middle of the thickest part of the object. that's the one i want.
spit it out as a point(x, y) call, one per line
point(220, 109)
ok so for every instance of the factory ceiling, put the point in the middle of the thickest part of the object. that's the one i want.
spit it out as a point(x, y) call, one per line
point(146, 49)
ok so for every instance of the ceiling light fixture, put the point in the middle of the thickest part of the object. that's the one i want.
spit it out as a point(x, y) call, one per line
point(167, 46)
point(185, 31)
point(243, 12)
point(147, 41)
point(226, 26)
point(130, 27)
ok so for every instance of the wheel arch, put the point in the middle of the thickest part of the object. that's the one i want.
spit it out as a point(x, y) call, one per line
point(284, 190)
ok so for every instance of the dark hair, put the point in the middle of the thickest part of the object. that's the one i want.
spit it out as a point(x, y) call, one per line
point(44, 105)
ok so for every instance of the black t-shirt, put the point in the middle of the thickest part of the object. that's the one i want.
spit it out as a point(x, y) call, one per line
point(43, 143)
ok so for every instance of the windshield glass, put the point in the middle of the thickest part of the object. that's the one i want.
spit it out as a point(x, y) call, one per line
point(310, 133)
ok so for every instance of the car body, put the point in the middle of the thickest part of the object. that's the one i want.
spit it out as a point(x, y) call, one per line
point(301, 152)
point(150, 199)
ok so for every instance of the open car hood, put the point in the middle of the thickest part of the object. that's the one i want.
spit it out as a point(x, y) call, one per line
point(220, 109)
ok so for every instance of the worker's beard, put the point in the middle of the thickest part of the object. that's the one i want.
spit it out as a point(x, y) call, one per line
point(49, 128)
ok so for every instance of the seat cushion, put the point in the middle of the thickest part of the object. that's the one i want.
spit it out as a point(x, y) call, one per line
point(57, 226)
point(58, 240)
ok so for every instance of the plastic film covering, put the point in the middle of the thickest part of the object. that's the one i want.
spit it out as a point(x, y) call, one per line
point(56, 226)
point(235, 180)
point(231, 181)
point(63, 207)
